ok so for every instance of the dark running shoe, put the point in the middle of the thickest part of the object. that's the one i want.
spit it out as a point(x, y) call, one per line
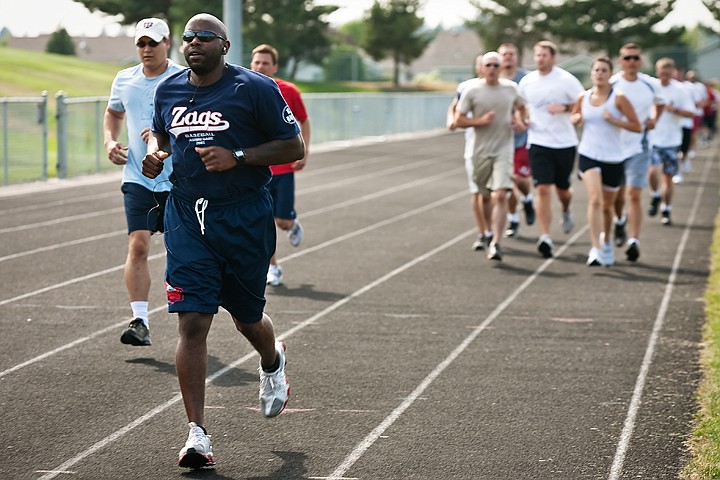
point(545, 248)
point(654, 206)
point(633, 252)
point(513, 230)
point(137, 334)
point(666, 220)
point(620, 234)
point(529, 212)
point(494, 252)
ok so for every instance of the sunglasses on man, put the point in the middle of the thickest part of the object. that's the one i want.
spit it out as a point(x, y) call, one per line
point(204, 36)
point(143, 44)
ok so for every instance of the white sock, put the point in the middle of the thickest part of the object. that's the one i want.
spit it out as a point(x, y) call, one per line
point(528, 198)
point(140, 310)
point(513, 217)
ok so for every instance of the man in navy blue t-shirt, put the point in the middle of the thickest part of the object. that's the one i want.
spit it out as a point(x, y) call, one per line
point(224, 125)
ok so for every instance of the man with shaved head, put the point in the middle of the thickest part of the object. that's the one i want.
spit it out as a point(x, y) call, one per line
point(487, 106)
point(224, 125)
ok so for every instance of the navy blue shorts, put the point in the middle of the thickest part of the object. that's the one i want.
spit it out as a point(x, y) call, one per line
point(218, 255)
point(282, 189)
point(552, 165)
point(144, 209)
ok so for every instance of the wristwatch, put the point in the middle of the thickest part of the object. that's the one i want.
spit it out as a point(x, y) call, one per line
point(239, 156)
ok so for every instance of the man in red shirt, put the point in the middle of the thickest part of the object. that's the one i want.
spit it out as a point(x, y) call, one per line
point(282, 186)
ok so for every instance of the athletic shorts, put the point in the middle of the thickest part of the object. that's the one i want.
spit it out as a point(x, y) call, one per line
point(686, 137)
point(469, 170)
point(521, 162)
point(612, 174)
point(552, 165)
point(218, 255)
point(282, 190)
point(636, 169)
point(493, 173)
point(697, 123)
point(667, 157)
point(144, 209)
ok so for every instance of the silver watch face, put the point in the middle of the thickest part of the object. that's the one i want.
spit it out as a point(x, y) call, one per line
point(238, 154)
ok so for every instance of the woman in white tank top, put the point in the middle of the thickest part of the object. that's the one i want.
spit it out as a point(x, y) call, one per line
point(603, 112)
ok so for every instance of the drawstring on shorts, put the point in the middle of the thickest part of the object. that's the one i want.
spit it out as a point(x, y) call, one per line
point(200, 206)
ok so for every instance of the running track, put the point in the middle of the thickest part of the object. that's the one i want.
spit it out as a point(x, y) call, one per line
point(410, 356)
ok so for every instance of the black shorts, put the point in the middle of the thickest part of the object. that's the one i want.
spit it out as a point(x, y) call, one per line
point(552, 165)
point(613, 174)
point(144, 209)
point(685, 145)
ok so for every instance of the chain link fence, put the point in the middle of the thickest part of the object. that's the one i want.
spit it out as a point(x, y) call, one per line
point(76, 147)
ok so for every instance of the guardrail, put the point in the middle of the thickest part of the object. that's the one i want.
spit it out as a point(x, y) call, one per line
point(27, 153)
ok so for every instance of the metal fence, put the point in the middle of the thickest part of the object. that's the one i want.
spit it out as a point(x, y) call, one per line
point(78, 135)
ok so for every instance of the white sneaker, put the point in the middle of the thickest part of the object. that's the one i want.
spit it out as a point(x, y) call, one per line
point(274, 276)
point(295, 235)
point(677, 179)
point(568, 222)
point(274, 387)
point(593, 259)
point(608, 254)
point(197, 452)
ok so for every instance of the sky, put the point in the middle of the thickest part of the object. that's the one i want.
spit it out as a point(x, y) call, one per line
point(23, 17)
point(35, 17)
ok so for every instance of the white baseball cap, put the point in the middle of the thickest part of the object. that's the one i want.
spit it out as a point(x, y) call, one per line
point(490, 56)
point(154, 28)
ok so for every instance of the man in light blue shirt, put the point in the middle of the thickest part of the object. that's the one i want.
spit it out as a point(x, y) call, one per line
point(132, 98)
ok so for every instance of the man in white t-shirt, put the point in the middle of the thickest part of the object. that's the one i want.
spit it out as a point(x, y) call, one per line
point(644, 95)
point(667, 137)
point(487, 106)
point(550, 93)
point(691, 126)
point(480, 203)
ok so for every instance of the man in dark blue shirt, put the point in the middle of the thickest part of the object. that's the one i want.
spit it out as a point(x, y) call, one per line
point(224, 125)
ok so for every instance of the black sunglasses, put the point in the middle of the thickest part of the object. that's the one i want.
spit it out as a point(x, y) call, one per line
point(202, 35)
point(496, 65)
point(143, 44)
point(631, 57)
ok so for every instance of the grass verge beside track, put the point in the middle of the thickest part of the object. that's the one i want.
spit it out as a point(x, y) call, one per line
point(705, 439)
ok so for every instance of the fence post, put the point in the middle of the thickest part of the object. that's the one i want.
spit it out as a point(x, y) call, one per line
point(42, 120)
point(6, 147)
point(61, 115)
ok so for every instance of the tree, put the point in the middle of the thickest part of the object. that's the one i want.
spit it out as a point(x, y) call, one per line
point(344, 63)
point(294, 27)
point(394, 30)
point(510, 21)
point(60, 42)
point(607, 25)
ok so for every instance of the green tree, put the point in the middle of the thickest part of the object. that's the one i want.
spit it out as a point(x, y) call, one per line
point(60, 42)
point(505, 21)
point(395, 30)
point(606, 25)
point(344, 63)
point(294, 27)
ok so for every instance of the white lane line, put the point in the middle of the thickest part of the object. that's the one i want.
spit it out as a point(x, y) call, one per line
point(63, 244)
point(377, 174)
point(630, 419)
point(377, 432)
point(66, 466)
point(72, 280)
point(76, 342)
point(57, 221)
point(290, 257)
point(60, 203)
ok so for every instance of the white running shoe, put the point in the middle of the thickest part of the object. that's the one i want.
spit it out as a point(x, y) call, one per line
point(568, 222)
point(593, 259)
point(678, 179)
point(295, 235)
point(608, 254)
point(197, 452)
point(274, 276)
point(274, 387)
